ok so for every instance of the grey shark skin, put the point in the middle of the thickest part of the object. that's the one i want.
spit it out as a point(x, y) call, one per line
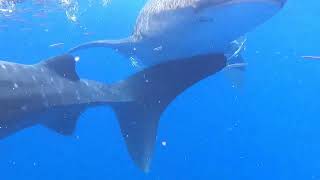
point(173, 29)
point(50, 93)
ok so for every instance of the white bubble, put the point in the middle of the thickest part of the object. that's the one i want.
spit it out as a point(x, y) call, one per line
point(158, 48)
point(164, 143)
point(77, 58)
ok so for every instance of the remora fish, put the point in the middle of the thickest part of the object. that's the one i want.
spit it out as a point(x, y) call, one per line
point(177, 29)
point(50, 93)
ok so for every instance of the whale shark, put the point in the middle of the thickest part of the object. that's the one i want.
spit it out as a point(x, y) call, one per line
point(177, 29)
point(50, 93)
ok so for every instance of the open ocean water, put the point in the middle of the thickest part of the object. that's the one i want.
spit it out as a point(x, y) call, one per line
point(267, 130)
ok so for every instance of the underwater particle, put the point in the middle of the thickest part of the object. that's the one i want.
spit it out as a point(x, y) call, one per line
point(158, 48)
point(72, 18)
point(24, 108)
point(77, 58)
point(134, 62)
point(164, 143)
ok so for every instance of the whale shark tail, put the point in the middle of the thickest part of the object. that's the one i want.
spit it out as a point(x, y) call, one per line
point(120, 44)
point(152, 90)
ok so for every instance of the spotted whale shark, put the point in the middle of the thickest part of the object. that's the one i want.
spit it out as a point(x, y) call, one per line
point(177, 29)
point(50, 93)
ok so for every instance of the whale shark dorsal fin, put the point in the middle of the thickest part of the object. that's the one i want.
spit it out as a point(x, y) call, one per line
point(121, 44)
point(153, 89)
point(64, 65)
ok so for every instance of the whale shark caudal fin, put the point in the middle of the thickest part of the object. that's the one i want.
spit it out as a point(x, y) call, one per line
point(114, 44)
point(153, 90)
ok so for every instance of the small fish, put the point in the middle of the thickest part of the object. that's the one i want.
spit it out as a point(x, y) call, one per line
point(311, 57)
point(26, 29)
point(56, 45)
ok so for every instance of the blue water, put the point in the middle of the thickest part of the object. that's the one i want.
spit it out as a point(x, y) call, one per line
point(267, 130)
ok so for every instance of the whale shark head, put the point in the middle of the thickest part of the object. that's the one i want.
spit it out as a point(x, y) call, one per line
point(174, 16)
point(185, 28)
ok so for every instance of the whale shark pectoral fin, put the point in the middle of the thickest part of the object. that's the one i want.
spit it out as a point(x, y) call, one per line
point(62, 120)
point(152, 90)
point(114, 44)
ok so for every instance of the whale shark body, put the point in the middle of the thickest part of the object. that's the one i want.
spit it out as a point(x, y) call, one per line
point(50, 93)
point(177, 29)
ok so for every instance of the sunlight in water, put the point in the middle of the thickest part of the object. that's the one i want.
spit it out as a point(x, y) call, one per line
point(6, 7)
point(105, 2)
point(72, 9)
